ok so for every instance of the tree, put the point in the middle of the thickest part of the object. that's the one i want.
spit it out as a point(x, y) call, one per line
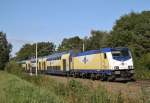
point(74, 43)
point(28, 50)
point(97, 40)
point(133, 31)
point(5, 49)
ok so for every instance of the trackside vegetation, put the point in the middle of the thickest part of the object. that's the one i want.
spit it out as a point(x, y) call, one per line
point(18, 86)
point(43, 89)
point(16, 90)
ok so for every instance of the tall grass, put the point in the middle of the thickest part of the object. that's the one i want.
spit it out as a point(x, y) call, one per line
point(14, 68)
point(16, 90)
point(43, 89)
point(75, 92)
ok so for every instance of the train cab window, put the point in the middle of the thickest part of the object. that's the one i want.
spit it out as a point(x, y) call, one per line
point(105, 56)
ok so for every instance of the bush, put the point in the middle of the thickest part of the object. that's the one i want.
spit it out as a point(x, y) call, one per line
point(142, 67)
point(145, 61)
point(14, 68)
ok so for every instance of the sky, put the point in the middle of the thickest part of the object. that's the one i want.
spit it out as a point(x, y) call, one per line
point(28, 21)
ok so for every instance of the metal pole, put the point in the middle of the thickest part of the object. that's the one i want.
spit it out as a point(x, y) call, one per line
point(30, 67)
point(36, 60)
point(83, 46)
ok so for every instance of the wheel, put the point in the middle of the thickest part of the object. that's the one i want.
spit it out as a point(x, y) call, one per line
point(103, 78)
point(92, 77)
point(111, 78)
point(68, 74)
point(97, 77)
point(83, 75)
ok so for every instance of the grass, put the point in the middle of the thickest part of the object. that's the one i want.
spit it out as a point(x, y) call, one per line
point(142, 74)
point(43, 89)
point(74, 91)
point(16, 90)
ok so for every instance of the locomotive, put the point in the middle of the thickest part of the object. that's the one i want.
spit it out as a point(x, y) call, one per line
point(104, 64)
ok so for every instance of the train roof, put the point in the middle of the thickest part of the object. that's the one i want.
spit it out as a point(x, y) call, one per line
point(22, 62)
point(113, 49)
point(58, 55)
point(50, 57)
point(103, 50)
point(55, 56)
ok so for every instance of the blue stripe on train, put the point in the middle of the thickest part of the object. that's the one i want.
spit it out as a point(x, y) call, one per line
point(57, 72)
point(108, 72)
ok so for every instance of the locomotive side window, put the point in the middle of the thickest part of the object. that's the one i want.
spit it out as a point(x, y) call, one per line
point(116, 53)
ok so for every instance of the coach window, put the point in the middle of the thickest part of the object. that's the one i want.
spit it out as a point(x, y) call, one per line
point(105, 57)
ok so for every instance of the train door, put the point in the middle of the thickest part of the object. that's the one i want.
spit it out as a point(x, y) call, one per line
point(39, 65)
point(105, 61)
point(64, 64)
point(44, 65)
point(26, 68)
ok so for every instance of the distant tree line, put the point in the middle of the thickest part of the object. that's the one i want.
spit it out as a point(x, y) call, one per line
point(28, 50)
point(131, 30)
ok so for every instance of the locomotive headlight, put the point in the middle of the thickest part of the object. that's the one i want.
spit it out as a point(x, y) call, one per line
point(116, 67)
point(130, 67)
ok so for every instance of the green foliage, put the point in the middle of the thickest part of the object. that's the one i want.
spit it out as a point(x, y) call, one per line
point(25, 52)
point(142, 74)
point(101, 95)
point(16, 90)
point(97, 40)
point(132, 30)
point(44, 89)
point(45, 48)
point(74, 43)
point(74, 91)
point(14, 68)
point(145, 61)
point(28, 50)
point(5, 49)
point(143, 67)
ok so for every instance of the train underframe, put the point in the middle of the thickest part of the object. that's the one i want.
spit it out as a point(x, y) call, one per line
point(104, 75)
